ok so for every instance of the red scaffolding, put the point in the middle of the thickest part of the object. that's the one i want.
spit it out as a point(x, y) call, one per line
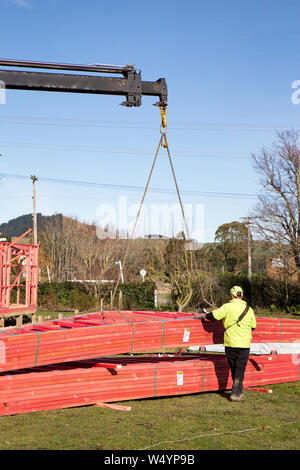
point(18, 277)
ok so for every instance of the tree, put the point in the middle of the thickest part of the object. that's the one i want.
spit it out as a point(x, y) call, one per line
point(276, 217)
point(232, 249)
point(178, 271)
point(171, 263)
point(57, 245)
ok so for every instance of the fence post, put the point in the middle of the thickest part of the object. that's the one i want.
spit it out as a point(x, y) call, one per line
point(19, 320)
point(120, 299)
point(155, 298)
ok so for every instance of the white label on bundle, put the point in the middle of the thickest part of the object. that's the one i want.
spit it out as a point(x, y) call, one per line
point(2, 353)
point(186, 335)
point(179, 378)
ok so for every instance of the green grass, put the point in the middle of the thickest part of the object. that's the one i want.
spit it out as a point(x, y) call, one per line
point(54, 314)
point(205, 421)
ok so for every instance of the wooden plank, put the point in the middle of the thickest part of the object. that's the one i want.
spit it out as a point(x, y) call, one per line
point(19, 320)
point(262, 390)
point(113, 406)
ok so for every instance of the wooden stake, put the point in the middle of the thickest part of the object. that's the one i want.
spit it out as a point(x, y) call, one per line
point(120, 299)
point(263, 390)
point(113, 406)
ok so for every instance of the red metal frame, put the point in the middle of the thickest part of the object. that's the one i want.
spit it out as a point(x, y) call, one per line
point(19, 272)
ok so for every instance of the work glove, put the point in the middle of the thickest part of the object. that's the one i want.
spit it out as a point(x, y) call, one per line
point(204, 315)
point(202, 310)
point(201, 314)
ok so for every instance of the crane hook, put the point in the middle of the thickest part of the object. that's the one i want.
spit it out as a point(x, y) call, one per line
point(163, 111)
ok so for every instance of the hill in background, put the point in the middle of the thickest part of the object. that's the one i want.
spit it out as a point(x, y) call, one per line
point(19, 225)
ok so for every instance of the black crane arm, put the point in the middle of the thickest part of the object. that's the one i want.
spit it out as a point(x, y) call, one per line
point(129, 84)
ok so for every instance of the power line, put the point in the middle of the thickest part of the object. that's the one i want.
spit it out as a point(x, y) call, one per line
point(40, 120)
point(111, 150)
point(132, 187)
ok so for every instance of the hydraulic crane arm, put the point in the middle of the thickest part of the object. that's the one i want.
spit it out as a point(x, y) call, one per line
point(129, 84)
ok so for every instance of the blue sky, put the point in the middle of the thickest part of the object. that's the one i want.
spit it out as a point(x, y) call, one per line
point(229, 68)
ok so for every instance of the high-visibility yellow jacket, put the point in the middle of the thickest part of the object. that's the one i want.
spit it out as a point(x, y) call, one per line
point(238, 335)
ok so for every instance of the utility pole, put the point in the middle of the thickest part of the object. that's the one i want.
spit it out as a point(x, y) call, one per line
point(121, 270)
point(34, 180)
point(48, 273)
point(247, 220)
point(249, 252)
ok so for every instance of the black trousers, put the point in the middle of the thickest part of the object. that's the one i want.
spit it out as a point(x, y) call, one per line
point(237, 359)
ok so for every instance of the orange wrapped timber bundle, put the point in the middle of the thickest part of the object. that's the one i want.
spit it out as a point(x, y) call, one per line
point(109, 380)
point(109, 333)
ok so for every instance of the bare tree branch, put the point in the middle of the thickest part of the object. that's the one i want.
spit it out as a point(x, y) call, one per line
point(277, 214)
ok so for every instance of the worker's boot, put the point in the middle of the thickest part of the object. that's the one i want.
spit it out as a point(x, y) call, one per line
point(237, 390)
point(236, 397)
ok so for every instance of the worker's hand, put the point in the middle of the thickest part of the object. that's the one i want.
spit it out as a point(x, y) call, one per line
point(200, 316)
point(202, 310)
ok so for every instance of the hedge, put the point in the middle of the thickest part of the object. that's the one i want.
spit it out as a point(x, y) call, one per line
point(65, 296)
point(71, 296)
point(261, 292)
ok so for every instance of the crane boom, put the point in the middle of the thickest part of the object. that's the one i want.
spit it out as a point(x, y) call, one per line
point(129, 84)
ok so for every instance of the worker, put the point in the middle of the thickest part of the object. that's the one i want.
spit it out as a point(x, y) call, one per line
point(239, 321)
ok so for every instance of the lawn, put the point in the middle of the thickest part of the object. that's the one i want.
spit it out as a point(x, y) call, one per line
point(206, 421)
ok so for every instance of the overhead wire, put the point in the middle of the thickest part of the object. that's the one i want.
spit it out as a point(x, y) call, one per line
point(40, 120)
point(132, 187)
point(111, 150)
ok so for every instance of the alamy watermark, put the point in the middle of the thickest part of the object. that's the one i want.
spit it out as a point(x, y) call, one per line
point(157, 220)
point(296, 94)
point(2, 92)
